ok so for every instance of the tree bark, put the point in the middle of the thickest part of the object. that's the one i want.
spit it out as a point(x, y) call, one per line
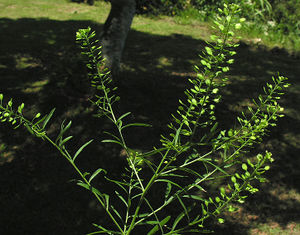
point(115, 32)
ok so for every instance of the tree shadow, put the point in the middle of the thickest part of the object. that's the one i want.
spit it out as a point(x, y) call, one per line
point(40, 65)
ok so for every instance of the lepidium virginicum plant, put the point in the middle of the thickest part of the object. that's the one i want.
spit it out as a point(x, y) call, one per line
point(166, 190)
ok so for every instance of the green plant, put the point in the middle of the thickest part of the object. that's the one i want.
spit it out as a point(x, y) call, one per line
point(286, 15)
point(250, 9)
point(193, 156)
point(169, 7)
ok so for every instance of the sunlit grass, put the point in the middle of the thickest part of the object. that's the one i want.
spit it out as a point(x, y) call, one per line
point(255, 32)
point(53, 9)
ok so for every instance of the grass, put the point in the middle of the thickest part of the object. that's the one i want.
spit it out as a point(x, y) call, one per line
point(39, 65)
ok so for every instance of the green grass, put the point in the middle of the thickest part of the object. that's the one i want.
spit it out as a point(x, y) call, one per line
point(40, 65)
point(53, 9)
point(255, 32)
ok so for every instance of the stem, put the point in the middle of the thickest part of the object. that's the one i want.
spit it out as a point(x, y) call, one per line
point(128, 202)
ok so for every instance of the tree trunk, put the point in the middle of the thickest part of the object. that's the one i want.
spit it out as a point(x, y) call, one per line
point(115, 32)
point(91, 2)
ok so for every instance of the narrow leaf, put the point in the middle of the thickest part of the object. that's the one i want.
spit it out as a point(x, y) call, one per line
point(195, 197)
point(63, 129)
point(156, 228)
point(119, 183)
point(121, 198)
point(112, 135)
point(155, 151)
point(96, 173)
point(104, 230)
point(62, 142)
point(136, 124)
point(123, 116)
point(84, 185)
point(48, 118)
point(116, 212)
point(80, 149)
point(112, 141)
point(169, 181)
point(178, 219)
point(186, 210)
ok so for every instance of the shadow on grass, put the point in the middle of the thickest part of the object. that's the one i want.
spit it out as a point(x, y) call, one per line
point(40, 66)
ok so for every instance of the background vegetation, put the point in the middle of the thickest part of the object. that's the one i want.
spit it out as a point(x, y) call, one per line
point(40, 65)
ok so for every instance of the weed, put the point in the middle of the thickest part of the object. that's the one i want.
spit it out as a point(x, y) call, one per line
point(195, 154)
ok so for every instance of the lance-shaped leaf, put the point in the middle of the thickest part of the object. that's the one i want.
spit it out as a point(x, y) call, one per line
point(159, 225)
point(98, 171)
point(103, 230)
point(123, 116)
point(121, 198)
point(47, 119)
point(63, 141)
point(63, 129)
point(80, 149)
point(136, 124)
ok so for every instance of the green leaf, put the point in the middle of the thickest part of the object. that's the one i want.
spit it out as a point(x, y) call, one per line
point(104, 230)
point(123, 116)
point(176, 138)
point(63, 129)
point(98, 171)
point(80, 149)
point(112, 135)
point(90, 188)
point(119, 183)
point(29, 128)
point(84, 185)
point(48, 117)
point(195, 197)
point(62, 142)
point(155, 151)
point(217, 167)
point(178, 219)
point(169, 181)
point(116, 212)
point(186, 210)
point(112, 141)
point(212, 130)
point(161, 223)
point(136, 124)
point(106, 197)
point(121, 198)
